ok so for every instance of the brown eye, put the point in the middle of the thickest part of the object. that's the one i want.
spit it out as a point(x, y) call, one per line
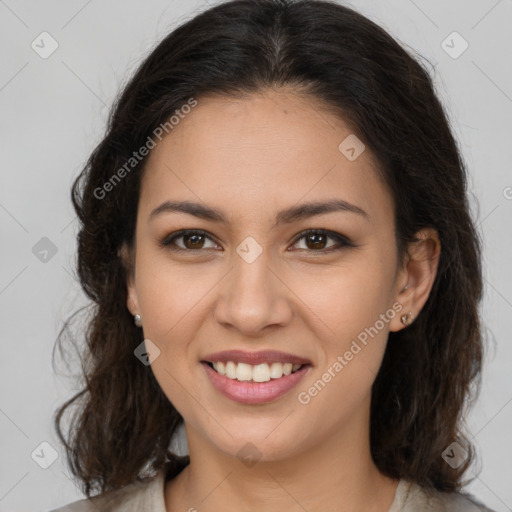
point(191, 240)
point(316, 240)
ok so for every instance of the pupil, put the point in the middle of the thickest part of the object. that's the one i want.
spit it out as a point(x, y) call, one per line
point(315, 237)
point(189, 237)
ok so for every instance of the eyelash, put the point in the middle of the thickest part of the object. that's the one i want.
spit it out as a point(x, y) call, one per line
point(342, 241)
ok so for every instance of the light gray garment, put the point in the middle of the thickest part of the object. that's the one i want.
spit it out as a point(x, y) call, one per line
point(410, 497)
point(149, 496)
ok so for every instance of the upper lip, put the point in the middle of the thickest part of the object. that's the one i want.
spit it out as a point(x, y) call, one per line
point(253, 358)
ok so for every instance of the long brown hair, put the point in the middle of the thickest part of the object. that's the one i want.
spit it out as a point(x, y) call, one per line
point(124, 423)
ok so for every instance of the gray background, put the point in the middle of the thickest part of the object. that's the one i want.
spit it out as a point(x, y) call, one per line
point(53, 113)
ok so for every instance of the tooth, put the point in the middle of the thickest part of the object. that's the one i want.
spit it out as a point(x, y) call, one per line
point(261, 373)
point(230, 370)
point(220, 367)
point(276, 370)
point(244, 371)
point(257, 373)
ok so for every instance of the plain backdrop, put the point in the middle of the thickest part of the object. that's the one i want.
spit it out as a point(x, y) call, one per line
point(53, 113)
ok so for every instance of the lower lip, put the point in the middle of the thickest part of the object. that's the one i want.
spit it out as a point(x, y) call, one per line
point(255, 392)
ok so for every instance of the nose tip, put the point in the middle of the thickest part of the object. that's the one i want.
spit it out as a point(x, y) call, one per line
point(252, 298)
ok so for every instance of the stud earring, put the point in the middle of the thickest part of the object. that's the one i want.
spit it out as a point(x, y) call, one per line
point(405, 318)
point(138, 320)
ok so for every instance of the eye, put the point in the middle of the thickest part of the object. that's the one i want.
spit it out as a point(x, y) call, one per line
point(194, 239)
point(317, 239)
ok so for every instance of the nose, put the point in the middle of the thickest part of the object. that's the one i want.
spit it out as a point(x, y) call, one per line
point(252, 297)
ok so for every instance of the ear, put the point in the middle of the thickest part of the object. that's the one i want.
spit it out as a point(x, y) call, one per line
point(126, 255)
point(417, 275)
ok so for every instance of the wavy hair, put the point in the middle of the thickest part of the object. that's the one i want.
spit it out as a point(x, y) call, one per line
point(123, 426)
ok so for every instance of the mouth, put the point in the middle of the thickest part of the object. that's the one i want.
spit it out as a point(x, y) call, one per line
point(254, 385)
point(263, 372)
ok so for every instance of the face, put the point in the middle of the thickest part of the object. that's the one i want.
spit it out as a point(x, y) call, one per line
point(251, 280)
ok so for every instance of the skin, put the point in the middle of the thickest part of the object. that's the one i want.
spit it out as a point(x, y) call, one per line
point(251, 158)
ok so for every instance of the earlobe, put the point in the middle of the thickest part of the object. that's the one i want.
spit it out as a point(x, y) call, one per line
point(419, 273)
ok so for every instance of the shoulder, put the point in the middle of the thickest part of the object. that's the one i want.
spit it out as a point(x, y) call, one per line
point(147, 494)
point(420, 499)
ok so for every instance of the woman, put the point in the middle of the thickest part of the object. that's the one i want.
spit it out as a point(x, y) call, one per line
point(276, 238)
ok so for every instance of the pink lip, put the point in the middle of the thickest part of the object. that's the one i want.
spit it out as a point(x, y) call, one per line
point(253, 358)
point(254, 392)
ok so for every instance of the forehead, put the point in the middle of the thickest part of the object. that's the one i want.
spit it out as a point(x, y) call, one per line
point(267, 149)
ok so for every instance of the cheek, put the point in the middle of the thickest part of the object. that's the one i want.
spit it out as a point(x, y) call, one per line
point(351, 318)
point(170, 295)
point(172, 300)
point(346, 298)
point(349, 365)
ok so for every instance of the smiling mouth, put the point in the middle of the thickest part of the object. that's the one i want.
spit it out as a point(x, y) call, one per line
point(244, 372)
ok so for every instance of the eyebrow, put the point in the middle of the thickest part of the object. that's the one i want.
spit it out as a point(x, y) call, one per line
point(286, 216)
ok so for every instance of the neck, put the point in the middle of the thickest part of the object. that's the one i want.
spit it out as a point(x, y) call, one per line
point(338, 471)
